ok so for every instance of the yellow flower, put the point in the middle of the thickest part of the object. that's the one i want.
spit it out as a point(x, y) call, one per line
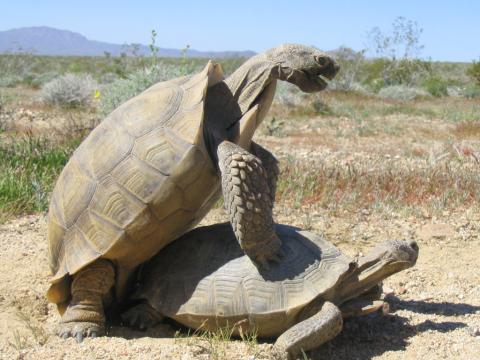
point(96, 95)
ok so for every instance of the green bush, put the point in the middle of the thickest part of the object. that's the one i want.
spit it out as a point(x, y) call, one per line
point(288, 95)
point(121, 90)
point(10, 80)
point(38, 80)
point(69, 90)
point(474, 71)
point(436, 86)
point(402, 93)
point(471, 91)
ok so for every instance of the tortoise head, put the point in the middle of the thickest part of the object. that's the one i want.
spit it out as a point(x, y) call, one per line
point(383, 261)
point(306, 67)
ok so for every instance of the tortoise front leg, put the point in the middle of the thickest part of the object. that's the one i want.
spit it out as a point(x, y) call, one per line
point(270, 164)
point(248, 202)
point(310, 333)
point(84, 315)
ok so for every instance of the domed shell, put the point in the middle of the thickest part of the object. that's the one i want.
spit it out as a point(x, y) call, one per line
point(139, 180)
point(204, 280)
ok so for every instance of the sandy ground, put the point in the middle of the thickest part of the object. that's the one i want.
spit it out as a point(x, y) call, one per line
point(435, 306)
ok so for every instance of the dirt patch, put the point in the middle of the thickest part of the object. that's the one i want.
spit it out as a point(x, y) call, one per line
point(435, 306)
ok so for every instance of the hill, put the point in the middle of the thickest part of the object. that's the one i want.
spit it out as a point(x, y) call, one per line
point(42, 40)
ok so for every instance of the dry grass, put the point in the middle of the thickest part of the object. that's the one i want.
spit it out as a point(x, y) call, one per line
point(378, 184)
point(216, 343)
point(468, 129)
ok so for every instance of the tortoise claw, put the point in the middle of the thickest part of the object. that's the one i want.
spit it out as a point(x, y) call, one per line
point(80, 330)
point(79, 337)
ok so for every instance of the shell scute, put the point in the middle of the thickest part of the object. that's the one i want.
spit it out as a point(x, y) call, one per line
point(139, 178)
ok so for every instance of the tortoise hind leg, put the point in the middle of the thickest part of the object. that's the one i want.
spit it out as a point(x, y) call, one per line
point(310, 333)
point(142, 316)
point(249, 202)
point(84, 315)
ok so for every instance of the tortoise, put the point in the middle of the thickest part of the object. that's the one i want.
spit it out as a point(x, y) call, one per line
point(154, 168)
point(204, 281)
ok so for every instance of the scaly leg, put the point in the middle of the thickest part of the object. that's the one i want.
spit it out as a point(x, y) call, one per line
point(310, 333)
point(84, 315)
point(249, 202)
point(270, 164)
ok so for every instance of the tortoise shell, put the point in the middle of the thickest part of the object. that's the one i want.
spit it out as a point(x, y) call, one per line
point(141, 178)
point(204, 280)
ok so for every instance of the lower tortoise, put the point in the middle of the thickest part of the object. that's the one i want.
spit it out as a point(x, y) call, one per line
point(204, 281)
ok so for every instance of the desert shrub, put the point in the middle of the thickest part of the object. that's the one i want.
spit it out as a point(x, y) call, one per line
point(2, 101)
point(471, 91)
point(436, 86)
point(473, 71)
point(108, 78)
point(121, 90)
point(321, 107)
point(401, 92)
point(69, 90)
point(351, 63)
point(397, 50)
point(39, 80)
point(10, 80)
point(288, 95)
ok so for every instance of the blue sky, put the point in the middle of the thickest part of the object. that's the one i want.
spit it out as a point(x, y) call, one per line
point(451, 28)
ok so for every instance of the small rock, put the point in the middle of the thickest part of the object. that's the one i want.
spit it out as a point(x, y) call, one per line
point(474, 330)
point(401, 290)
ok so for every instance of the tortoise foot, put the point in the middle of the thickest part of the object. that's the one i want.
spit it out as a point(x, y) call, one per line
point(141, 317)
point(80, 330)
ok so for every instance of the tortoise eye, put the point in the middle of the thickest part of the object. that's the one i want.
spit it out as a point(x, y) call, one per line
point(321, 60)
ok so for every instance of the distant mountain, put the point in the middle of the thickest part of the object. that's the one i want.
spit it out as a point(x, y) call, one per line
point(42, 40)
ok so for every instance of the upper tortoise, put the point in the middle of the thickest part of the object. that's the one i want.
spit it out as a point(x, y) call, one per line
point(204, 281)
point(154, 168)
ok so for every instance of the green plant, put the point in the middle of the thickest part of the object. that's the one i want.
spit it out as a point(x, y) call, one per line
point(38, 80)
point(186, 66)
point(401, 92)
point(474, 71)
point(153, 48)
point(28, 170)
point(274, 127)
point(471, 91)
point(122, 90)
point(436, 86)
point(320, 107)
point(69, 91)
point(397, 50)
point(351, 64)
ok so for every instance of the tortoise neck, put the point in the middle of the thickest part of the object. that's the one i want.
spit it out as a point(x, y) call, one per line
point(249, 81)
point(371, 270)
